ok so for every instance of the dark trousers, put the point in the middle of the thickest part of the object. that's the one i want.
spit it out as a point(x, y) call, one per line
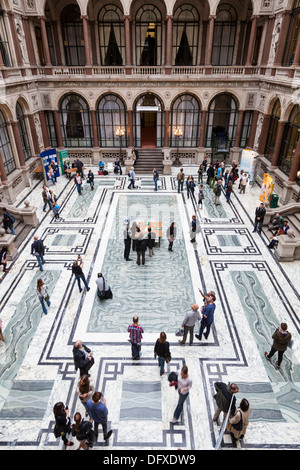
point(84, 370)
point(104, 429)
point(127, 244)
point(280, 355)
point(203, 325)
point(139, 255)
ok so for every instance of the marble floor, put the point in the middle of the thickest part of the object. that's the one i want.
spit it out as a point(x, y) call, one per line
point(254, 294)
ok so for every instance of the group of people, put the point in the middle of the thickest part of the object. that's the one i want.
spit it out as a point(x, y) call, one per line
point(136, 240)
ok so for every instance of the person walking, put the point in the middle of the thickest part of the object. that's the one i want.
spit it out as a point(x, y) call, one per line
point(85, 390)
point(190, 186)
point(62, 422)
point(79, 275)
point(97, 410)
point(8, 221)
point(207, 310)
point(90, 179)
point(210, 176)
point(200, 197)
point(83, 431)
point(237, 425)
point(46, 198)
point(78, 182)
point(200, 173)
point(3, 258)
point(218, 191)
point(243, 182)
point(151, 241)
point(131, 177)
point(228, 190)
point(135, 337)
point(83, 358)
point(141, 247)
point(43, 296)
point(193, 229)
point(162, 351)
point(155, 178)
point(38, 250)
point(224, 395)
point(281, 338)
point(189, 322)
point(127, 243)
point(260, 212)
point(184, 385)
point(171, 235)
point(180, 180)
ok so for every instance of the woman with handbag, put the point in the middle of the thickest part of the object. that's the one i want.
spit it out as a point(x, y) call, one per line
point(41, 290)
point(62, 422)
point(162, 350)
point(83, 432)
point(184, 383)
point(237, 425)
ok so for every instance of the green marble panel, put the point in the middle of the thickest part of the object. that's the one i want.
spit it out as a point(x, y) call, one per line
point(141, 401)
point(228, 240)
point(64, 240)
point(213, 211)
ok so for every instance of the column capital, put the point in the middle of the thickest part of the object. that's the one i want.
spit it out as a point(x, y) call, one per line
point(84, 17)
point(212, 17)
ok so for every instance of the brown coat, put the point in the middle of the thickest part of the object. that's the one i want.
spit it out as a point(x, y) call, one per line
point(281, 340)
point(236, 419)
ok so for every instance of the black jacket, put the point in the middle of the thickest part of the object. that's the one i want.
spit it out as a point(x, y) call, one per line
point(141, 244)
point(260, 212)
point(38, 246)
point(80, 359)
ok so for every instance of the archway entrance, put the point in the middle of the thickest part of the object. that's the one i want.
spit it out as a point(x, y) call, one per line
point(148, 122)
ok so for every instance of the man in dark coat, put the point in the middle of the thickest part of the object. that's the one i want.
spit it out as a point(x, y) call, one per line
point(83, 358)
point(259, 217)
point(223, 398)
point(141, 247)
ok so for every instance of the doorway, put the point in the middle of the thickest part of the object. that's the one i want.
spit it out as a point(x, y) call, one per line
point(148, 122)
point(148, 129)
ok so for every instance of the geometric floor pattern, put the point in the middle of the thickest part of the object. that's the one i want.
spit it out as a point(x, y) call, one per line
point(254, 294)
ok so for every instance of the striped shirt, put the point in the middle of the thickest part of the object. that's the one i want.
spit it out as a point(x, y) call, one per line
point(135, 333)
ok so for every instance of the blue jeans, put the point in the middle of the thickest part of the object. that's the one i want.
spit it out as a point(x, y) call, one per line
point(11, 228)
point(135, 350)
point(43, 305)
point(50, 205)
point(155, 184)
point(161, 362)
point(40, 260)
point(78, 186)
point(259, 223)
point(179, 407)
point(202, 328)
point(131, 184)
point(180, 185)
point(82, 277)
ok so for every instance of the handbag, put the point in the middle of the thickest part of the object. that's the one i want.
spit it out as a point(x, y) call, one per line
point(238, 426)
point(179, 332)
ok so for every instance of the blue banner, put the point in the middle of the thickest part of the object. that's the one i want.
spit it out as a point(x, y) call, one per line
point(49, 156)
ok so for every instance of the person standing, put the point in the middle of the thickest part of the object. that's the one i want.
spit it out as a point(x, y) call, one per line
point(281, 338)
point(162, 350)
point(200, 196)
point(207, 311)
point(228, 190)
point(141, 247)
point(200, 173)
point(171, 235)
point(46, 198)
point(193, 229)
point(190, 186)
point(51, 174)
point(79, 275)
point(237, 425)
point(260, 212)
point(131, 177)
point(243, 182)
point(210, 176)
point(205, 163)
point(218, 192)
point(8, 221)
point(41, 290)
point(78, 182)
point(97, 410)
point(83, 432)
point(90, 179)
point(189, 322)
point(85, 390)
point(151, 241)
point(155, 178)
point(38, 250)
point(184, 385)
point(135, 337)
point(62, 422)
point(223, 396)
point(180, 180)
point(127, 243)
point(83, 358)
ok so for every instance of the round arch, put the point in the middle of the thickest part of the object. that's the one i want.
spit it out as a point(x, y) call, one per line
point(75, 120)
point(221, 122)
point(185, 114)
point(111, 112)
point(148, 121)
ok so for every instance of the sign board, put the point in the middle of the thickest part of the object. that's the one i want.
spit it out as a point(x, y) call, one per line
point(63, 156)
point(47, 157)
point(248, 163)
point(147, 108)
point(267, 188)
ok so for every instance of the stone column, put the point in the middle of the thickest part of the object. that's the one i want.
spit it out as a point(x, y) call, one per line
point(88, 61)
point(202, 128)
point(253, 129)
point(239, 128)
point(58, 129)
point(130, 127)
point(29, 43)
point(211, 26)
point(282, 37)
point(13, 29)
point(17, 139)
point(128, 45)
point(168, 61)
point(34, 135)
point(296, 163)
point(3, 67)
point(3, 174)
point(264, 134)
point(167, 128)
point(277, 147)
point(94, 128)
point(44, 129)
point(243, 26)
point(251, 41)
point(268, 40)
point(93, 40)
point(56, 43)
point(45, 41)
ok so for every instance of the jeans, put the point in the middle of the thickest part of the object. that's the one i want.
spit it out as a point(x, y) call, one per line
point(202, 327)
point(180, 185)
point(104, 429)
point(280, 355)
point(11, 228)
point(40, 260)
point(50, 205)
point(135, 350)
point(131, 184)
point(78, 186)
point(155, 184)
point(259, 223)
point(179, 407)
point(82, 277)
point(43, 304)
point(161, 362)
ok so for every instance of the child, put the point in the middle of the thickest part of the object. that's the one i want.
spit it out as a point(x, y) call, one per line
point(55, 211)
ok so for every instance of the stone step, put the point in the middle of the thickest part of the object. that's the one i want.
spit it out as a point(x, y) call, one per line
point(294, 223)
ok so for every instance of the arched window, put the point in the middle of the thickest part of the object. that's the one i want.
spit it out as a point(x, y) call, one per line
point(112, 35)
point(185, 35)
point(292, 36)
point(185, 114)
point(23, 132)
point(111, 114)
point(246, 127)
point(148, 35)
point(4, 45)
point(72, 31)
point(224, 35)
point(5, 147)
point(221, 122)
point(75, 121)
point(289, 141)
point(272, 131)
